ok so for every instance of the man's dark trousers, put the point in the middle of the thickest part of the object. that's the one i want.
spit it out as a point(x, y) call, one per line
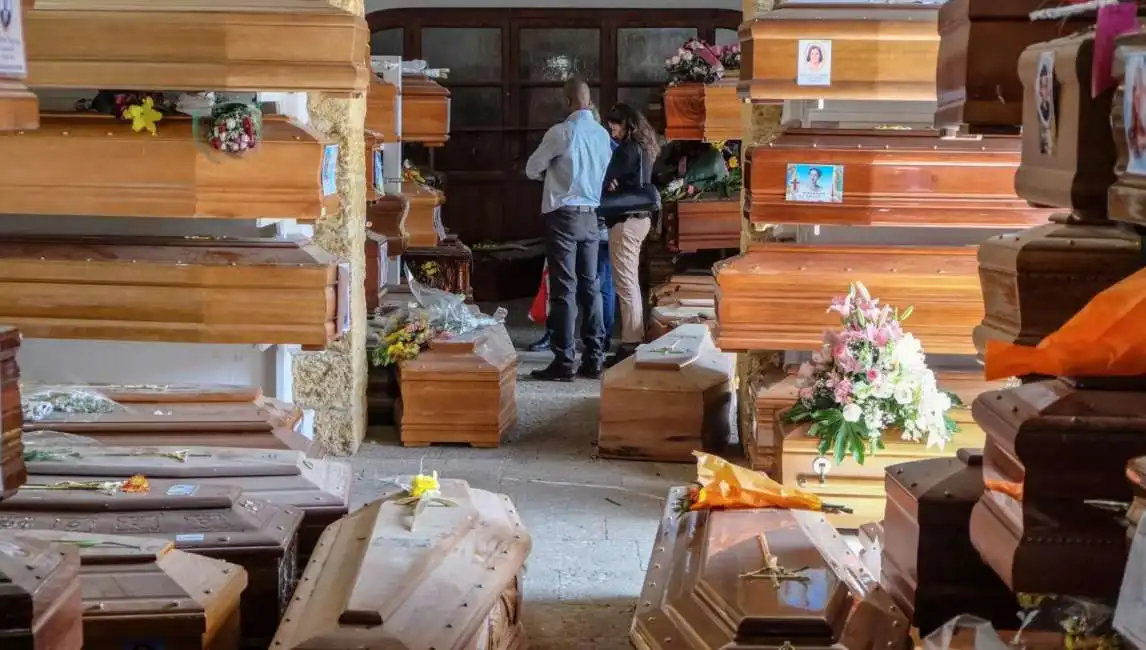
point(571, 245)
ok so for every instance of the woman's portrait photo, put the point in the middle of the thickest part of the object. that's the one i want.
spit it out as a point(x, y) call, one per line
point(1134, 112)
point(815, 183)
point(1044, 105)
point(814, 65)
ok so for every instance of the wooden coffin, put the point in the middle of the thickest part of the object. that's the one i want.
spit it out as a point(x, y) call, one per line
point(459, 390)
point(707, 224)
point(142, 593)
point(425, 111)
point(244, 45)
point(386, 217)
point(929, 565)
point(318, 488)
point(1126, 199)
point(761, 445)
point(178, 289)
point(696, 594)
point(870, 537)
point(19, 108)
point(448, 267)
point(1050, 447)
point(667, 316)
point(980, 46)
point(775, 296)
point(879, 53)
point(91, 164)
point(685, 286)
point(1070, 165)
point(382, 109)
point(703, 112)
point(672, 397)
point(373, 164)
point(12, 472)
point(41, 607)
point(1035, 280)
point(423, 223)
point(216, 521)
point(451, 582)
point(1136, 474)
point(377, 254)
point(890, 178)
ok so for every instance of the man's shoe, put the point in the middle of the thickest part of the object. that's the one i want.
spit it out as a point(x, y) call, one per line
point(590, 371)
point(551, 374)
point(540, 345)
point(623, 352)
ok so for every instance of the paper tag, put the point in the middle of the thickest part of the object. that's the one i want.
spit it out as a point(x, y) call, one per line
point(181, 490)
point(329, 169)
point(1045, 102)
point(1113, 20)
point(13, 63)
point(814, 65)
point(814, 183)
point(1134, 113)
point(190, 537)
point(1130, 614)
point(379, 177)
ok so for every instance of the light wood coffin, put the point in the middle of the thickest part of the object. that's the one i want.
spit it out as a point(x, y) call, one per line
point(425, 111)
point(382, 109)
point(1126, 199)
point(387, 218)
point(459, 390)
point(91, 164)
point(12, 471)
point(861, 487)
point(39, 595)
point(140, 592)
point(223, 45)
point(696, 595)
point(761, 444)
point(685, 286)
point(672, 397)
point(451, 582)
point(703, 112)
point(775, 296)
point(877, 53)
point(377, 254)
point(19, 108)
point(669, 315)
point(179, 289)
point(892, 178)
point(707, 224)
point(423, 223)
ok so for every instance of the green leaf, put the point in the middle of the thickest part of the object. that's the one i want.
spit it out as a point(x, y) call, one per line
point(858, 449)
point(840, 450)
point(814, 430)
point(955, 401)
point(825, 443)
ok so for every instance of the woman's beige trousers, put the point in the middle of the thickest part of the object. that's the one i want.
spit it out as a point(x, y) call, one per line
point(625, 241)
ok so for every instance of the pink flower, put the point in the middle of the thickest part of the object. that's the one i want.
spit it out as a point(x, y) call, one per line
point(690, 189)
point(807, 393)
point(872, 375)
point(843, 391)
point(806, 370)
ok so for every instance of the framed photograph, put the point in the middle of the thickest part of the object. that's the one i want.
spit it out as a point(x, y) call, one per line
point(13, 63)
point(810, 183)
point(1044, 106)
point(1134, 112)
point(330, 170)
point(814, 65)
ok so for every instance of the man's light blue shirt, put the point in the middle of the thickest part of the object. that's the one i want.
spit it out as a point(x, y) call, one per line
point(572, 158)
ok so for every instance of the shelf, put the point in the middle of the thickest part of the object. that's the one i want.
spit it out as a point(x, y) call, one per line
point(425, 112)
point(703, 112)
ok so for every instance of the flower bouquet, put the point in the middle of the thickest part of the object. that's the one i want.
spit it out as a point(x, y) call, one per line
point(695, 61)
point(870, 378)
point(729, 56)
point(405, 338)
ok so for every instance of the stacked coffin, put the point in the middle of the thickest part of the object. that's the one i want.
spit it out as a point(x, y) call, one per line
point(19, 108)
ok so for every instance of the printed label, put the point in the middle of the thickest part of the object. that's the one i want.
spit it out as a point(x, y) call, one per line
point(182, 490)
point(814, 183)
point(379, 177)
point(13, 63)
point(189, 537)
point(1134, 112)
point(814, 65)
point(1045, 102)
point(330, 170)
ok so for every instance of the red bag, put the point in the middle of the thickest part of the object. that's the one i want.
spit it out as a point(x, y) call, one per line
point(539, 310)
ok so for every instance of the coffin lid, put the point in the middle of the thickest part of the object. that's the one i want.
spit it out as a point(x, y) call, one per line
point(261, 416)
point(1054, 406)
point(827, 11)
point(1047, 248)
point(372, 582)
point(892, 141)
point(26, 566)
point(942, 479)
point(157, 393)
point(787, 259)
point(381, 108)
point(1016, 10)
point(420, 85)
point(150, 249)
point(482, 350)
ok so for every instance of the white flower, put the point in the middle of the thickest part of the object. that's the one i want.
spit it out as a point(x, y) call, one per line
point(904, 394)
point(852, 412)
point(687, 56)
point(676, 60)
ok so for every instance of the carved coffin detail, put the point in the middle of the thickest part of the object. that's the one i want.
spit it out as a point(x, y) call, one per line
point(703, 112)
point(882, 52)
point(695, 595)
point(387, 217)
point(892, 178)
point(775, 296)
point(761, 444)
point(89, 164)
point(177, 289)
point(423, 223)
point(672, 397)
point(425, 111)
point(1035, 280)
point(244, 45)
point(41, 607)
point(141, 592)
point(374, 582)
point(1050, 447)
point(19, 108)
point(708, 224)
point(12, 472)
point(1125, 197)
point(1136, 474)
point(209, 520)
point(929, 565)
point(448, 267)
point(382, 108)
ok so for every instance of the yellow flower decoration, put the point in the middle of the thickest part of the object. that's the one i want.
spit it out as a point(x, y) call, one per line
point(733, 162)
point(718, 144)
point(143, 116)
point(423, 485)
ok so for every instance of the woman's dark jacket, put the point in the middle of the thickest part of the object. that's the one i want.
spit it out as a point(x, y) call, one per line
point(628, 163)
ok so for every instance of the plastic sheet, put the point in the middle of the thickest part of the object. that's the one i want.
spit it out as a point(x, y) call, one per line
point(448, 312)
point(965, 633)
point(727, 486)
point(45, 402)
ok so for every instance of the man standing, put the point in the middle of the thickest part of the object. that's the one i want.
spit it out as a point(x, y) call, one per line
point(572, 159)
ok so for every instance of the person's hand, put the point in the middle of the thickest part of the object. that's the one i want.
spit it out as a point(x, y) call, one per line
point(613, 185)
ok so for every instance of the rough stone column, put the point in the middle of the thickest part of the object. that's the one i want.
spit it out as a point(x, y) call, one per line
point(333, 382)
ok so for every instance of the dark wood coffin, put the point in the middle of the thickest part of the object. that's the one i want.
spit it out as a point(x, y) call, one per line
point(451, 582)
point(705, 224)
point(425, 111)
point(1136, 474)
point(1051, 446)
point(877, 52)
point(448, 266)
point(318, 488)
point(929, 565)
point(871, 545)
point(216, 521)
point(696, 594)
point(249, 45)
point(1126, 199)
point(12, 472)
point(381, 108)
point(142, 593)
point(92, 164)
point(703, 112)
point(41, 607)
point(775, 296)
point(179, 289)
point(892, 178)
point(980, 43)
point(1035, 280)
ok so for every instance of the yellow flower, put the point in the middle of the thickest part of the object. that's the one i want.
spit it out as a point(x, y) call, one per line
point(143, 116)
point(423, 485)
point(733, 162)
point(718, 144)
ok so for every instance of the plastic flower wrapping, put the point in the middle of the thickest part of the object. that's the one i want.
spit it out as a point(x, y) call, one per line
point(869, 378)
point(697, 61)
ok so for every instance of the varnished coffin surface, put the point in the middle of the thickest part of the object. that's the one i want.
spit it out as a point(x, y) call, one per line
point(451, 582)
point(140, 592)
point(175, 289)
point(673, 396)
point(1126, 199)
point(425, 111)
point(881, 52)
point(210, 520)
point(1035, 280)
point(387, 217)
point(377, 253)
point(12, 473)
point(708, 224)
point(91, 164)
point(244, 45)
point(703, 112)
point(892, 178)
point(761, 445)
point(775, 296)
point(422, 225)
point(382, 108)
point(696, 595)
point(19, 108)
point(41, 607)
point(1050, 446)
point(929, 565)
point(373, 164)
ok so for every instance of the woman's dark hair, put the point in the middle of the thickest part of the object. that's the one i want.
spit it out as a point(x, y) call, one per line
point(817, 49)
point(636, 127)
